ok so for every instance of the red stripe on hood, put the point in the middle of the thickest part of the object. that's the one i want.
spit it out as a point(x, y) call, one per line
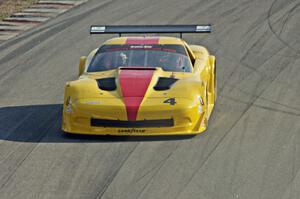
point(142, 40)
point(134, 85)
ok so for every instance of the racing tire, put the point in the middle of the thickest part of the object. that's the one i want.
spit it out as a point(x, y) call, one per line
point(215, 81)
point(207, 104)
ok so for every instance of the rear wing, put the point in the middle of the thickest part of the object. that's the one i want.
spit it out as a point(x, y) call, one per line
point(143, 29)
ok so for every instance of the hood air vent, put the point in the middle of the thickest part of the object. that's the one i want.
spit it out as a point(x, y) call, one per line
point(164, 83)
point(107, 84)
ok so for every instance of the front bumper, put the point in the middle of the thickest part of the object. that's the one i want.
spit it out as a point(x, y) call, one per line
point(154, 118)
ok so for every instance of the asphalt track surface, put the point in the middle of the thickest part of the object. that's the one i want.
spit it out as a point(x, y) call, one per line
point(250, 150)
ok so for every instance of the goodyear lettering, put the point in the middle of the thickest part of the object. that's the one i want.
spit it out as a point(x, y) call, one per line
point(131, 130)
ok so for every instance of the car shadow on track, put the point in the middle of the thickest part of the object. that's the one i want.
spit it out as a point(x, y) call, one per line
point(42, 123)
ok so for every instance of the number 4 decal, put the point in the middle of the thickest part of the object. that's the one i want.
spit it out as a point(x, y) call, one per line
point(170, 101)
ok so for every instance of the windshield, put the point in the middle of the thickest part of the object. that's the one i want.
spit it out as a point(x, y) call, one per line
point(168, 57)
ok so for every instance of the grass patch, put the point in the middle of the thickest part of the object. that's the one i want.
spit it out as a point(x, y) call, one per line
point(8, 7)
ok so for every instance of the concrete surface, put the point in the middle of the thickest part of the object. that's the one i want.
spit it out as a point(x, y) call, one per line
point(250, 151)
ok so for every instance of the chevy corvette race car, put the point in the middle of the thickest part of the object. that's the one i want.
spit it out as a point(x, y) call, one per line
point(149, 85)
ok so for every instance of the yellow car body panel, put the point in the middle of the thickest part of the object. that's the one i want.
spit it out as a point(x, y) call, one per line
point(185, 108)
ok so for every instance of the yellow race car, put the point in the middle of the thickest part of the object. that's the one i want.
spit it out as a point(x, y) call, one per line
point(145, 85)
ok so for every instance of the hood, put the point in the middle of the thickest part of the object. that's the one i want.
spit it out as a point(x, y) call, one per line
point(133, 85)
point(134, 82)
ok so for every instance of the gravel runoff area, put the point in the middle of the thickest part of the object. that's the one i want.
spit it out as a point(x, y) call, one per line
point(21, 15)
point(8, 7)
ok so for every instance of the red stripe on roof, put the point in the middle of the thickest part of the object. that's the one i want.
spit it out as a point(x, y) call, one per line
point(142, 40)
point(134, 84)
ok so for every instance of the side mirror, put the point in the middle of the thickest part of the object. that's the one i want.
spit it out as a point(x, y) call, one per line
point(82, 65)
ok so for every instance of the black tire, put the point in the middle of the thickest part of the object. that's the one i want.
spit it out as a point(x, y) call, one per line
point(207, 104)
point(215, 81)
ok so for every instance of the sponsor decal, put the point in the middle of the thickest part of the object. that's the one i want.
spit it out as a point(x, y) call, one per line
point(69, 109)
point(200, 109)
point(92, 102)
point(69, 105)
point(131, 131)
point(200, 100)
point(140, 46)
point(203, 28)
point(98, 29)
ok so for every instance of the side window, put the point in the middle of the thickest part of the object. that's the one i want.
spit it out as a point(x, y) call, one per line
point(190, 53)
point(89, 58)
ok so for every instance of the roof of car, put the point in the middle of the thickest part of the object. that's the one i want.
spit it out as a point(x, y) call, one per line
point(143, 40)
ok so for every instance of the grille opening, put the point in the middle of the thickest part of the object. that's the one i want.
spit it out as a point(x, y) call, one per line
point(164, 83)
point(107, 84)
point(132, 124)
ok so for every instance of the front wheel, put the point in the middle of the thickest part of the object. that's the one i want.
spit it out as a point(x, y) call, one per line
point(207, 104)
point(215, 81)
